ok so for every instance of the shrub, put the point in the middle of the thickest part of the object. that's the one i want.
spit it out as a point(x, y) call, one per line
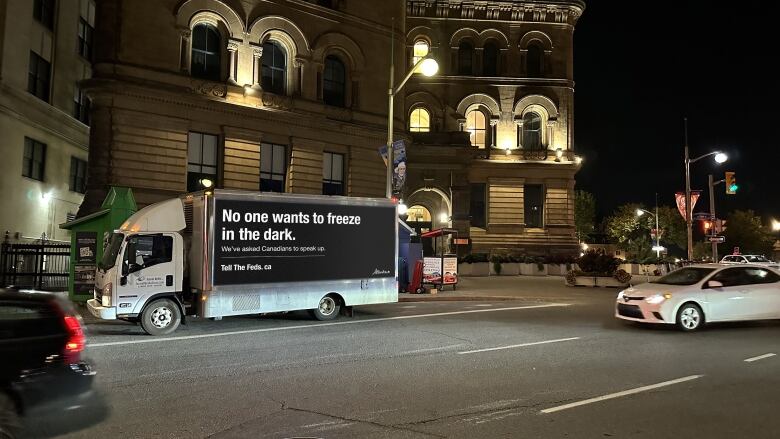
point(497, 265)
point(571, 277)
point(622, 276)
point(596, 261)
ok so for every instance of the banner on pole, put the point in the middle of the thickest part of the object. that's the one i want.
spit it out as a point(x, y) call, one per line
point(399, 163)
point(679, 198)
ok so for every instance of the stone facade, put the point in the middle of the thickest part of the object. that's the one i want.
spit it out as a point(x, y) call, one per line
point(496, 158)
point(43, 114)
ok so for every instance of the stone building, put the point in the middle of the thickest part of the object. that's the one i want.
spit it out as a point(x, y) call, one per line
point(45, 50)
point(492, 141)
point(290, 95)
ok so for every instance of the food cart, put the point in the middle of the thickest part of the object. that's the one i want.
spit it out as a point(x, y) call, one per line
point(441, 268)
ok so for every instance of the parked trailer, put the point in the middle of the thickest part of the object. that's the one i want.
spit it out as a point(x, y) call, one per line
point(224, 253)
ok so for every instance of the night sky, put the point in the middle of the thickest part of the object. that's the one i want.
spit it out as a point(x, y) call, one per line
point(641, 67)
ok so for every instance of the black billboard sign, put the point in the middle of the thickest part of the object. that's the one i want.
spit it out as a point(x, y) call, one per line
point(86, 258)
point(265, 241)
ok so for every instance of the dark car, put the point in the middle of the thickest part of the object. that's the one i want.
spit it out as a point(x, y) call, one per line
point(46, 387)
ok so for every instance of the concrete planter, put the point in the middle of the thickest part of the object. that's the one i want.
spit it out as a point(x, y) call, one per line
point(532, 270)
point(558, 269)
point(598, 281)
point(479, 269)
point(464, 269)
point(507, 269)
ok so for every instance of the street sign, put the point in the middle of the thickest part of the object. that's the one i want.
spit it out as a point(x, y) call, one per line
point(461, 241)
point(717, 239)
point(736, 251)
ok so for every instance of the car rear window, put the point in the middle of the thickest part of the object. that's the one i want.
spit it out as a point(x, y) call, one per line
point(685, 276)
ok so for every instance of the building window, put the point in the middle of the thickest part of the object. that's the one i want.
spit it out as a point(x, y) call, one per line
point(420, 121)
point(533, 62)
point(490, 59)
point(78, 175)
point(43, 12)
point(532, 131)
point(332, 173)
point(85, 39)
point(477, 205)
point(34, 159)
point(419, 51)
point(418, 214)
point(273, 167)
point(465, 58)
point(534, 205)
point(80, 106)
point(201, 161)
point(206, 52)
point(476, 125)
point(38, 77)
point(274, 68)
point(334, 82)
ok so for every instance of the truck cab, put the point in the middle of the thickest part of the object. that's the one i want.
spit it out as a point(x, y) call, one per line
point(140, 277)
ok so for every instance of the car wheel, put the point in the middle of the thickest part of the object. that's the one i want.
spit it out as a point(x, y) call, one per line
point(9, 418)
point(160, 317)
point(690, 317)
point(328, 308)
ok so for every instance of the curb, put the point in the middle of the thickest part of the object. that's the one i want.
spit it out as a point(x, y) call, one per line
point(441, 298)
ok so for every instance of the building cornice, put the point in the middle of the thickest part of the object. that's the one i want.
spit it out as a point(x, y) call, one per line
point(565, 12)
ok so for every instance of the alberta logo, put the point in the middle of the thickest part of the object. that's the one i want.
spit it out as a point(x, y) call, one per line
point(378, 271)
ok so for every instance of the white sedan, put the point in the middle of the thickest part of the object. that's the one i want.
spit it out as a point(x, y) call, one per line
point(691, 296)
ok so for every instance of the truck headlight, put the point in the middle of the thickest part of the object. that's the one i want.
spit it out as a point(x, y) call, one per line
point(106, 299)
point(658, 298)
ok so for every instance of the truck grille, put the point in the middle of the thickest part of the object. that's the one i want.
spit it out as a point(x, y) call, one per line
point(631, 311)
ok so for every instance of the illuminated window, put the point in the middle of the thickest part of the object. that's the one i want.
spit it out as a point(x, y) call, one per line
point(532, 131)
point(206, 52)
point(420, 121)
point(201, 159)
point(476, 125)
point(332, 173)
point(421, 49)
point(273, 167)
point(418, 214)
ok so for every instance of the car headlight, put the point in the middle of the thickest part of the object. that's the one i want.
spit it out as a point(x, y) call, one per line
point(658, 298)
point(106, 300)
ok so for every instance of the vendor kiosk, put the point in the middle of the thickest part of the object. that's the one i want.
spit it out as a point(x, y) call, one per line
point(441, 268)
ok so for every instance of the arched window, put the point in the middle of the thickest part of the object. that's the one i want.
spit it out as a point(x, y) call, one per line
point(533, 62)
point(334, 88)
point(490, 59)
point(274, 68)
point(532, 131)
point(206, 52)
point(465, 58)
point(418, 213)
point(420, 50)
point(420, 120)
point(476, 125)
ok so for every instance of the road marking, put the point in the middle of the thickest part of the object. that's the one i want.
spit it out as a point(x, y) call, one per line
point(760, 357)
point(519, 345)
point(619, 394)
point(319, 325)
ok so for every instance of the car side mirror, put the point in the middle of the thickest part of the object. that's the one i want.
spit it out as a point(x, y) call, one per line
point(714, 284)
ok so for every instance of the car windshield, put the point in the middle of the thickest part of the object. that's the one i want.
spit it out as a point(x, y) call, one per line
point(757, 259)
point(111, 251)
point(685, 276)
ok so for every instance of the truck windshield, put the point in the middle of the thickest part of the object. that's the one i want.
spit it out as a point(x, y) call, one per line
point(111, 251)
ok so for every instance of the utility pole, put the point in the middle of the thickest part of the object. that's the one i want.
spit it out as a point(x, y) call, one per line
point(688, 218)
point(712, 184)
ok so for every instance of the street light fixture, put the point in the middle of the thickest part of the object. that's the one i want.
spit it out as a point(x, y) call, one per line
point(775, 225)
point(720, 157)
point(657, 247)
point(428, 67)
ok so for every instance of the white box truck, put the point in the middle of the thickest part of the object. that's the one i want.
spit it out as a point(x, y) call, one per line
point(224, 253)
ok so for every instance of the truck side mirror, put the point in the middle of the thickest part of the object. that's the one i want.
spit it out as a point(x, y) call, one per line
point(123, 280)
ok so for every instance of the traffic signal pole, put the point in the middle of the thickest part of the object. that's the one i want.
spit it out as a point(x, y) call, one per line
point(712, 218)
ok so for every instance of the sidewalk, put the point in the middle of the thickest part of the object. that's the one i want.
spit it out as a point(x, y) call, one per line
point(499, 288)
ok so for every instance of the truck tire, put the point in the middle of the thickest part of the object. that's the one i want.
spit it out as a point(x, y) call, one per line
point(161, 317)
point(328, 308)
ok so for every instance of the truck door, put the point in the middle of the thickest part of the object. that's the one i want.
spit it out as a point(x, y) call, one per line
point(147, 269)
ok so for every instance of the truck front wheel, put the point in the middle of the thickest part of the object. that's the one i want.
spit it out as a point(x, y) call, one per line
point(328, 309)
point(160, 317)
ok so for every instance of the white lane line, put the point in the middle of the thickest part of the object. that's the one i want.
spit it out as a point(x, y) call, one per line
point(760, 357)
point(519, 345)
point(619, 394)
point(319, 325)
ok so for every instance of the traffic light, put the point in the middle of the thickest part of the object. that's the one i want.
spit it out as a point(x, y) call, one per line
point(707, 225)
point(731, 183)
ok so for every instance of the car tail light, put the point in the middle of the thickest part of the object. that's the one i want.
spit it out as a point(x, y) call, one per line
point(76, 340)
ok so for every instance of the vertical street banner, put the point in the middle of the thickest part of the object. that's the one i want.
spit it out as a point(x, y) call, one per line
point(399, 163)
point(84, 265)
point(679, 198)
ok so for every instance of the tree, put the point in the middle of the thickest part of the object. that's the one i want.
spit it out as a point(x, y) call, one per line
point(584, 214)
point(673, 227)
point(744, 230)
point(631, 232)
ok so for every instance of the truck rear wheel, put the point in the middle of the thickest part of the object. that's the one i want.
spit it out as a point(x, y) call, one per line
point(160, 317)
point(328, 308)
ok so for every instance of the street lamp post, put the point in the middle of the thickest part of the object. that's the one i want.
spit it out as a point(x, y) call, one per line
point(428, 67)
point(719, 158)
point(657, 247)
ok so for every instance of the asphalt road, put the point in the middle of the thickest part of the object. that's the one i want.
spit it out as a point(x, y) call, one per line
point(522, 369)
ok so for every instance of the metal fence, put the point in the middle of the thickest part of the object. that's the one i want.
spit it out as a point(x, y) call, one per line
point(40, 266)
